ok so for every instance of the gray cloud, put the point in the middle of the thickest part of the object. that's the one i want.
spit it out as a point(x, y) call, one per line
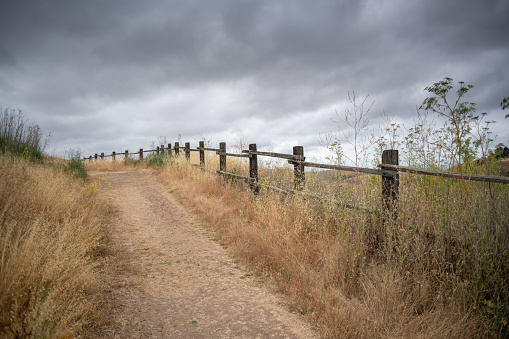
point(118, 74)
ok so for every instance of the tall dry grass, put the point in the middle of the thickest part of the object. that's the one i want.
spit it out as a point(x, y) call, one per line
point(114, 166)
point(50, 238)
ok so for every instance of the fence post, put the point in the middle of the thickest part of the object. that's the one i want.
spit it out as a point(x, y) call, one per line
point(90, 159)
point(202, 155)
point(95, 157)
point(141, 154)
point(222, 157)
point(126, 154)
point(102, 156)
point(188, 151)
point(169, 150)
point(177, 148)
point(390, 184)
point(253, 169)
point(162, 149)
point(113, 155)
point(157, 150)
point(298, 170)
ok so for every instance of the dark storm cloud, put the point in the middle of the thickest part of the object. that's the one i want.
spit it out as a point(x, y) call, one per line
point(144, 69)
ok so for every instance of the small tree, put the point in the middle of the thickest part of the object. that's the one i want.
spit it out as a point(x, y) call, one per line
point(460, 114)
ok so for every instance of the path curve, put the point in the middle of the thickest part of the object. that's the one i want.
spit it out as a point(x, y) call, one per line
point(180, 283)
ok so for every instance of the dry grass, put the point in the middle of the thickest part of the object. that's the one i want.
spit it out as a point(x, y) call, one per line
point(440, 269)
point(113, 166)
point(50, 241)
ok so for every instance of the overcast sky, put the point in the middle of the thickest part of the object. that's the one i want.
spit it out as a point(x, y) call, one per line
point(106, 76)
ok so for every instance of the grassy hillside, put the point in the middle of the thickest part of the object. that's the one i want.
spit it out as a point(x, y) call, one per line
point(50, 239)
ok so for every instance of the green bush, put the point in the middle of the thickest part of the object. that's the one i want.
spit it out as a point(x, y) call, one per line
point(131, 161)
point(75, 166)
point(158, 160)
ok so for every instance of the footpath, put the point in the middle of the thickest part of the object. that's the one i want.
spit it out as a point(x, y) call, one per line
point(174, 280)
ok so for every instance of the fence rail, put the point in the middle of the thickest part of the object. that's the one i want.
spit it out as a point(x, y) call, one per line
point(389, 168)
point(453, 175)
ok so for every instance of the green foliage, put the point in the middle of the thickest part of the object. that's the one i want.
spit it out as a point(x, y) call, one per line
point(500, 151)
point(75, 166)
point(19, 138)
point(131, 161)
point(232, 179)
point(460, 115)
point(158, 160)
point(333, 144)
point(505, 104)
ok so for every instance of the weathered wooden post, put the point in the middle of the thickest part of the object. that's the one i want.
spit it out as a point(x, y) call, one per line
point(113, 156)
point(253, 169)
point(390, 184)
point(298, 169)
point(188, 151)
point(202, 155)
point(95, 157)
point(162, 149)
point(177, 148)
point(141, 154)
point(169, 150)
point(126, 154)
point(157, 150)
point(222, 157)
point(102, 156)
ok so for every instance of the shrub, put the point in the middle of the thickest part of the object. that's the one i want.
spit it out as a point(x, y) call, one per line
point(75, 166)
point(158, 160)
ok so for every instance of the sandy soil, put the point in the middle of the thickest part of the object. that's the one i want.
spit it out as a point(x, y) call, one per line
point(175, 281)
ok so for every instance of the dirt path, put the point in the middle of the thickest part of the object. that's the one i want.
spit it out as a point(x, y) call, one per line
point(179, 283)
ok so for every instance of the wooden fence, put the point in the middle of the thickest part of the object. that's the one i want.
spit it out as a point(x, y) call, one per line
point(389, 167)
